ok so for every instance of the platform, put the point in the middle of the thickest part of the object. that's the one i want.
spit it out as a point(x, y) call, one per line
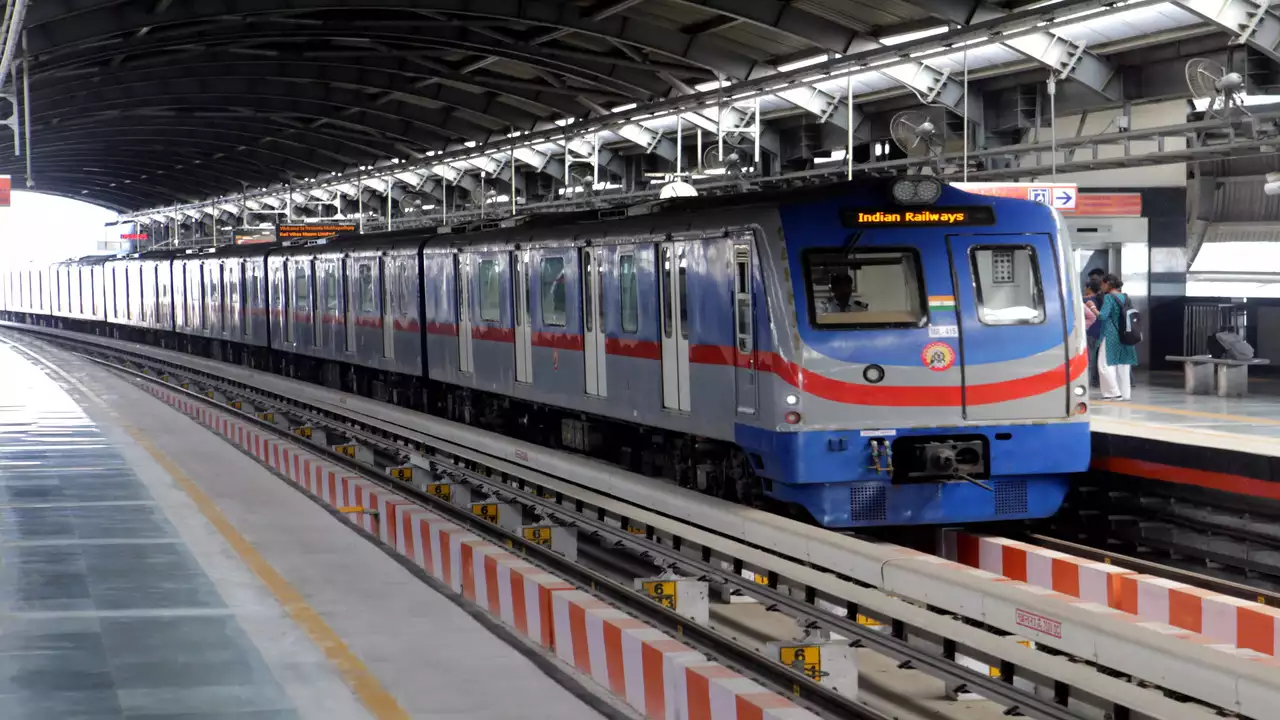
point(1158, 403)
point(147, 570)
point(1224, 450)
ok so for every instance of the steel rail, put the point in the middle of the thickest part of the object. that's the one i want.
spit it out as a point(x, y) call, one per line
point(1148, 567)
point(895, 645)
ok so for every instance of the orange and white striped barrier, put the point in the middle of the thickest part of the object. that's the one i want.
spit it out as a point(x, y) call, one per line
point(1220, 618)
point(652, 672)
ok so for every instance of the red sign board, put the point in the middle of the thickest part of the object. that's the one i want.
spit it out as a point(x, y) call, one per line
point(1085, 203)
point(1110, 204)
point(133, 236)
point(6, 186)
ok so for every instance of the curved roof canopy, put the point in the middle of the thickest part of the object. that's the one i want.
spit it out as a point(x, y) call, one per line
point(142, 103)
point(145, 102)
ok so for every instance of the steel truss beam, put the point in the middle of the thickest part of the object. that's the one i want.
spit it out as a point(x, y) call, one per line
point(104, 20)
point(891, 60)
point(288, 158)
point(1029, 163)
point(1064, 57)
point(1246, 21)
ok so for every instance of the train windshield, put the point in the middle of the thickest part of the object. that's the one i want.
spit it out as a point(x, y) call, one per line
point(1007, 285)
point(864, 289)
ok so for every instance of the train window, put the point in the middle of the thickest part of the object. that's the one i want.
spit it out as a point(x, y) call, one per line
point(683, 280)
point(368, 301)
point(665, 274)
point(627, 293)
point(870, 288)
point(553, 299)
point(490, 291)
point(408, 298)
point(588, 295)
point(331, 289)
point(301, 288)
point(1007, 285)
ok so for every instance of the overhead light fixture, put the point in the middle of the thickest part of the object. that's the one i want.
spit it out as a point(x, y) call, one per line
point(797, 64)
point(914, 35)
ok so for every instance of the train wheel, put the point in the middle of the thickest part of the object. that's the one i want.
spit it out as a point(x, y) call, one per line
point(741, 484)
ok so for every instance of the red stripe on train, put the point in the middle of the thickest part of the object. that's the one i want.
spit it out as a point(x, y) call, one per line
point(819, 385)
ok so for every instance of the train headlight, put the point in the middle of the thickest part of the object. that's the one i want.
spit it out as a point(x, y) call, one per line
point(1080, 390)
point(792, 400)
point(917, 190)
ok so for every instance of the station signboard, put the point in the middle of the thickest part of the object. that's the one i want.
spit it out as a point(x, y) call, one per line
point(316, 231)
point(1063, 197)
point(6, 187)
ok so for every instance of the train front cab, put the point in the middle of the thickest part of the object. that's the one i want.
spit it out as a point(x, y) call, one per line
point(940, 380)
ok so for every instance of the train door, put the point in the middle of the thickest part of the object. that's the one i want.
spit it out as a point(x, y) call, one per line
point(466, 343)
point(744, 329)
point(593, 343)
point(673, 295)
point(317, 302)
point(520, 315)
point(389, 309)
point(290, 302)
point(1012, 331)
point(348, 302)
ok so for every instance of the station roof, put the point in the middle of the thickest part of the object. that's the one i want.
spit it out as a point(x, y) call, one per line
point(145, 103)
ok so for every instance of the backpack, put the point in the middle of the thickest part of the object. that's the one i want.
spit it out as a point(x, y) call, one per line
point(1130, 323)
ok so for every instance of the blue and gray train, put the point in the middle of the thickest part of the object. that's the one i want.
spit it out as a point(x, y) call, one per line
point(875, 353)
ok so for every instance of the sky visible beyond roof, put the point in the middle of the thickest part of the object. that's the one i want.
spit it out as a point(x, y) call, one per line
point(45, 228)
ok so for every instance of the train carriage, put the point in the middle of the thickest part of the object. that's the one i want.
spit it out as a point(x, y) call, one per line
point(883, 352)
point(352, 303)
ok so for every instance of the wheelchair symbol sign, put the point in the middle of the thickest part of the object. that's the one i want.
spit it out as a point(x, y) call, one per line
point(1040, 195)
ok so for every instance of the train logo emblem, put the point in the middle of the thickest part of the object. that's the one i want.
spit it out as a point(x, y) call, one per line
point(938, 356)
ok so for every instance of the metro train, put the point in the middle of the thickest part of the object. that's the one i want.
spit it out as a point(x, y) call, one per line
point(882, 352)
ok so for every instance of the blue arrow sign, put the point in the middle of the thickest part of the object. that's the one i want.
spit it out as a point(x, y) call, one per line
point(1064, 197)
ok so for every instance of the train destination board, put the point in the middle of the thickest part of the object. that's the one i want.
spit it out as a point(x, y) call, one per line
point(909, 217)
point(313, 232)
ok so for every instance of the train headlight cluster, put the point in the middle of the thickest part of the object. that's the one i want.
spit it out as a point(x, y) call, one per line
point(917, 190)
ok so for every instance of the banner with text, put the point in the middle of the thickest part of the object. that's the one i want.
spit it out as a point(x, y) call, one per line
point(6, 186)
point(317, 231)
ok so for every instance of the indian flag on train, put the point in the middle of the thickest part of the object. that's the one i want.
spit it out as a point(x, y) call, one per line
point(942, 303)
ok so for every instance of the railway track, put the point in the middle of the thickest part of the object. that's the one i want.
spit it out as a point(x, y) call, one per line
point(1177, 535)
point(620, 536)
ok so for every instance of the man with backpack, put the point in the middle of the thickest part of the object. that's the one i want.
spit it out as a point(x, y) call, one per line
point(1120, 332)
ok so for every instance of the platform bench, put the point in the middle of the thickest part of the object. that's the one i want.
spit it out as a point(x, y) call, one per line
point(1203, 372)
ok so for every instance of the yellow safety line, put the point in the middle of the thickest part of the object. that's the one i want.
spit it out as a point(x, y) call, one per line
point(375, 698)
point(1189, 413)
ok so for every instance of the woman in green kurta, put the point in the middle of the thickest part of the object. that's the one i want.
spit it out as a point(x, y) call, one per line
point(1115, 359)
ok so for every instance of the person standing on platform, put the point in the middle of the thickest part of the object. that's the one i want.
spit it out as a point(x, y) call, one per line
point(1091, 327)
point(1094, 297)
point(1115, 359)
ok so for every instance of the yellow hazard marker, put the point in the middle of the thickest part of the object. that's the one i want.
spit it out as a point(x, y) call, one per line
point(663, 591)
point(538, 535)
point(488, 511)
point(806, 659)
